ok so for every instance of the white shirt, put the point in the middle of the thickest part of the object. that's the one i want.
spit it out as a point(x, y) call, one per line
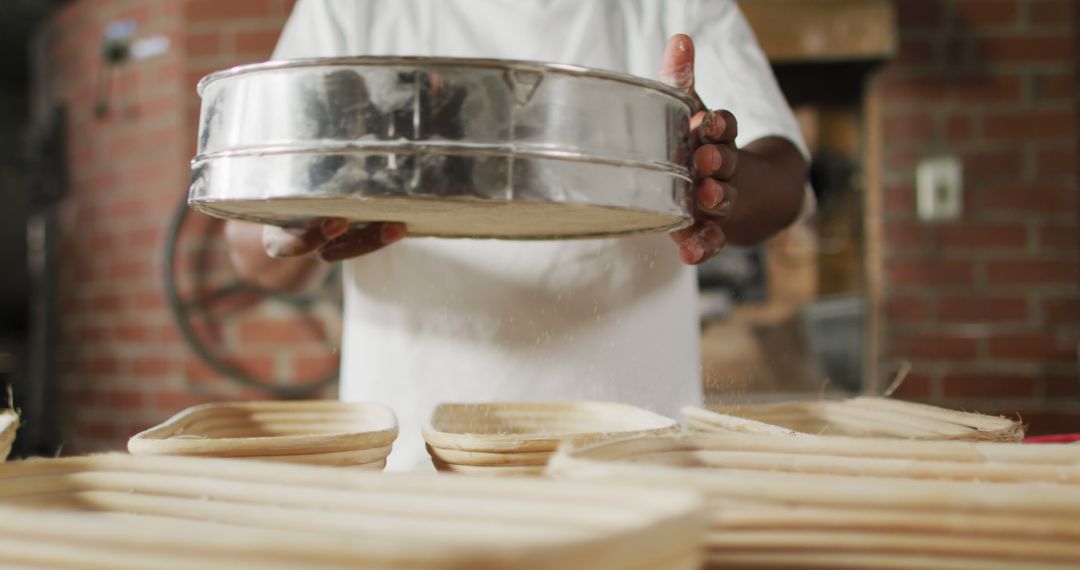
point(436, 320)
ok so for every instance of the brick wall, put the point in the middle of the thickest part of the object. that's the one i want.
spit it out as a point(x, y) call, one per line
point(986, 308)
point(124, 365)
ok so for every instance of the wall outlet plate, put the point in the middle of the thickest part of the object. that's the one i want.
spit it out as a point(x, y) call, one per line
point(939, 188)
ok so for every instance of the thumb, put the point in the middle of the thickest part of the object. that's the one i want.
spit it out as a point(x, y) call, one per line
point(677, 65)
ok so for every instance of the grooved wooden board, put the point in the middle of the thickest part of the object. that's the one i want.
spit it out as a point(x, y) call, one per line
point(780, 501)
point(122, 511)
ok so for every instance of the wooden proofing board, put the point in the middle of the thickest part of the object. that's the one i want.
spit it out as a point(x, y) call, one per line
point(859, 417)
point(9, 422)
point(511, 439)
point(122, 511)
point(831, 502)
point(315, 432)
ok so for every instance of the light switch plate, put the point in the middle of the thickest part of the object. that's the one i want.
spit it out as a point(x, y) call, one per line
point(939, 188)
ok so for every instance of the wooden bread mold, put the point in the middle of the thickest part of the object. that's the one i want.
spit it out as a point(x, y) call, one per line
point(124, 512)
point(518, 438)
point(314, 432)
point(857, 417)
point(836, 502)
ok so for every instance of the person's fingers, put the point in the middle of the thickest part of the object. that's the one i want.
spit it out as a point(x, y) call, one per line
point(677, 65)
point(287, 242)
point(679, 236)
point(715, 160)
point(714, 197)
point(700, 241)
point(718, 127)
point(695, 130)
point(712, 239)
point(361, 241)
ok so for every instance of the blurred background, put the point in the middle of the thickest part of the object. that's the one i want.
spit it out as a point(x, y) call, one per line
point(944, 254)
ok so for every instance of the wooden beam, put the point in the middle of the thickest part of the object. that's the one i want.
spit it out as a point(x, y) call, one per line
point(803, 30)
point(873, 242)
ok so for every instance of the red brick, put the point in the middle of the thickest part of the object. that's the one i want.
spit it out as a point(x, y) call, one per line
point(152, 174)
point(1029, 124)
point(170, 402)
point(904, 236)
point(900, 198)
point(259, 43)
point(277, 332)
point(958, 128)
point(127, 207)
point(1054, 86)
point(993, 164)
point(104, 365)
point(143, 239)
point(1059, 237)
point(1030, 272)
point(90, 334)
point(1061, 311)
point(198, 371)
point(1051, 161)
point(287, 7)
point(151, 366)
point(969, 309)
point(906, 309)
point(1062, 386)
point(106, 302)
point(981, 236)
point(1043, 12)
point(933, 347)
point(261, 367)
point(907, 88)
point(915, 52)
point(141, 13)
point(987, 386)
point(983, 87)
point(161, 105)
point(132, 333)
point(1026, 49)
point(914, 14)
point(1042, 197)
point(914, 387)
point(218, 10)
point(208, 333)
point(203, 44)
point(957, 52)
point(124, 400)
point(1046, 422)
point(985, 13)
point(309, 368)
point(104, 430)
point(125, 270)
point(193, 76)
point(930, 272)
point(1034, 347)
point(151, 300)
point(102, 243)
point(913, 126)
point(238, 301)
